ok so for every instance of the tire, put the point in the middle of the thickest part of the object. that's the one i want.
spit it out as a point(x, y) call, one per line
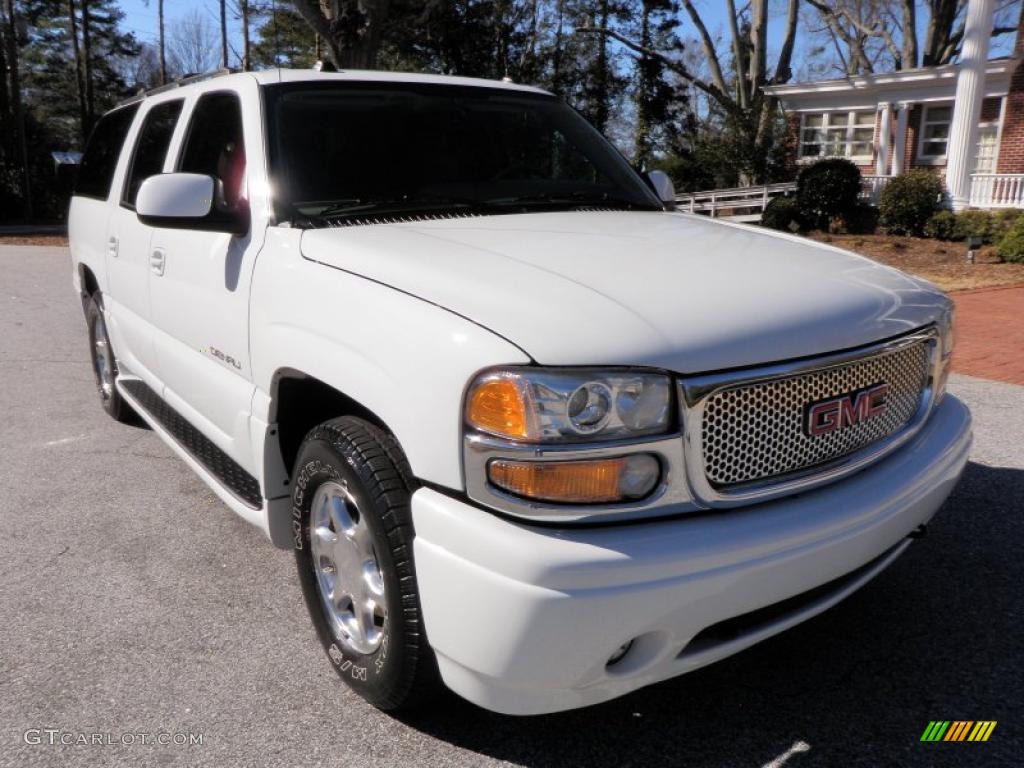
point(104, 362)
point(354, 555)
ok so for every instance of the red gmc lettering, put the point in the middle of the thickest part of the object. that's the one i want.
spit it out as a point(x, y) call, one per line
point(847, 410)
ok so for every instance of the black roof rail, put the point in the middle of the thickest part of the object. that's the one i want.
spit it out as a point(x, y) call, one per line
point(180, 82)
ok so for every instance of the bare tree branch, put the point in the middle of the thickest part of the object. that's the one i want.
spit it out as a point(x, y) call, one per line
point(709, 47)
point(712, 90)
point(737, 51)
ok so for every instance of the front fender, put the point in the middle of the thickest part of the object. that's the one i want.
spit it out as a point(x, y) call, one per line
point(404, 359)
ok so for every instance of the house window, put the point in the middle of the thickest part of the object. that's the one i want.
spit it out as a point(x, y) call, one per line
point(838, 134)
point(935, 132)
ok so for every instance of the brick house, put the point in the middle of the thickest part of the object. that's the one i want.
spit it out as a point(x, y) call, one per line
point(963, 120)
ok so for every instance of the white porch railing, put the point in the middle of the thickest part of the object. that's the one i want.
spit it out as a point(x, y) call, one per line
point(871, 188)
point(748, 203)
point(997, 190)
point(736, 203)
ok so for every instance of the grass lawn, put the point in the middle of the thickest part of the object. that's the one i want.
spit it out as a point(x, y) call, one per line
point(944, 264)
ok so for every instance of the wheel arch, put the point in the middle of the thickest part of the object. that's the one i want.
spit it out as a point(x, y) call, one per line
point(87, 282)
point(299, 401)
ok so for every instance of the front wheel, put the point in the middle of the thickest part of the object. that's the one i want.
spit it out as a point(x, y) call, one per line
point(353, 551)
point(104, 363)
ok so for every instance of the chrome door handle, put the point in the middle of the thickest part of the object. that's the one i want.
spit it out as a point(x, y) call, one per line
point(157, 259)
point(112, 247)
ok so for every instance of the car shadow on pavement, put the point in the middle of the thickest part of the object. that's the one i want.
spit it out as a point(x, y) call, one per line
point(935, 637)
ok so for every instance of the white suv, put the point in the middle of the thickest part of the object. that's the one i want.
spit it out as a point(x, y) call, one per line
point(530, 431)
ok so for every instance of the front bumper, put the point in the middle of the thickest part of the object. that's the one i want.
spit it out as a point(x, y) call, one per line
point(524, 619)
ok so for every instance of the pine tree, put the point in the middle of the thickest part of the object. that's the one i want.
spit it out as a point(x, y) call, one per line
point(659, 102)
point(285, 40)
point(66, 97)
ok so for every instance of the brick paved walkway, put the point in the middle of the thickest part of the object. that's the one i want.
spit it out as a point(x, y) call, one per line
point(990, 333)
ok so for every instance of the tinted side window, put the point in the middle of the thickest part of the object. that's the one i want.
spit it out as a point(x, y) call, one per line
point(214, 145)
point(96, 173)
point(151, 147)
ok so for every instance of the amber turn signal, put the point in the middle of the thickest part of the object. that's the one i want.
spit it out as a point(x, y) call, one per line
point(591, 481)
point(497, 405)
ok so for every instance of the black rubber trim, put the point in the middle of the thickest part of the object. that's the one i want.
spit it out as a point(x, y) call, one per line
point(749, 623)
point(217, 463)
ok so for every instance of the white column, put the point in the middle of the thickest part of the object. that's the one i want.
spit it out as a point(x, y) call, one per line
point(970, 90)
point(884, 131)
point(899, 147)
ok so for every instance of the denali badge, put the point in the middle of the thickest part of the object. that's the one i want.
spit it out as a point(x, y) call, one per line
point(858, 406)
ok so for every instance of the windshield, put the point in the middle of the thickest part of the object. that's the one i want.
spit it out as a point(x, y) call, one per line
point(358, 149)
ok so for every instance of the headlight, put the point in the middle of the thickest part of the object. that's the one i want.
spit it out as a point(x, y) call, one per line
point(535, 405)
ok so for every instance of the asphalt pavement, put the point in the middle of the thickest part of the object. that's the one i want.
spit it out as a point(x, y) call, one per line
point(134, 605)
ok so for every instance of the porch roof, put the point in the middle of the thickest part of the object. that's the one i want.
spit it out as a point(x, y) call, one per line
point(906, 86)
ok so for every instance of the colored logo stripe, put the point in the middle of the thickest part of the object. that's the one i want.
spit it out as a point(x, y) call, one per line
point(958, 730)
point(982, 730)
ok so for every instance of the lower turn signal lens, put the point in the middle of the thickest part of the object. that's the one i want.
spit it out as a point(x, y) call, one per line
point(591, 481)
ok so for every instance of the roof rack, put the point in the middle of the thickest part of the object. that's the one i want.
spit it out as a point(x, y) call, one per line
point(180, 82)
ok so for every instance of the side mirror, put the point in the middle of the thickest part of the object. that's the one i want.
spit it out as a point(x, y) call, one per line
point(187, 201)
point(662, 186)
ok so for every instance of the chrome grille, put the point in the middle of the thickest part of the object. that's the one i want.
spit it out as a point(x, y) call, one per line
point(755, 431)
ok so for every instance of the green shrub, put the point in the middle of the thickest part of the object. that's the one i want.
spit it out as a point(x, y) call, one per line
point(781, 213)
point(973, 223)
point(909, 201)
point(1011, 247)
point(862, 219)
point(827, 189)
point(941, 226)
point(1003, 220)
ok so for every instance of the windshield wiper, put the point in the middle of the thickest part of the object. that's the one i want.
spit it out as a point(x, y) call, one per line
point(580, 198)
point(400, 204)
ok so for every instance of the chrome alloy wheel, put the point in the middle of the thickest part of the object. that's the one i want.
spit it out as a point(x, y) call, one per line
point(348, 575)
point(102, 358)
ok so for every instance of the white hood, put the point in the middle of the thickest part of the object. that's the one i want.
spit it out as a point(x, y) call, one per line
point(672, 291)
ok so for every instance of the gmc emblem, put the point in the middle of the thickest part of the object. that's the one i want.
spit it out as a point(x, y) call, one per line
point(843, 411)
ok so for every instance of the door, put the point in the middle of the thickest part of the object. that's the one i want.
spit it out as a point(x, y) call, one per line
point(127, 303)
point(987, 151)
point(89, 215)
point(201, 296)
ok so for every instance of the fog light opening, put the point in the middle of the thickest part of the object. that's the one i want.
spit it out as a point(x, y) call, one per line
point(619, 654)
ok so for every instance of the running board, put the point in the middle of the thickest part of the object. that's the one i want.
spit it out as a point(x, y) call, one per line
point(222, 467)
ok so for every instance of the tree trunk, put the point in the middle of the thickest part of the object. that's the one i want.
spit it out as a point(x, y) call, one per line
point(19, 112)
point(223, 34)
point(352, 29)
point(163, 43)
point(909, 57)
point(6, 120)
point(601, 105)
point(83, 112)
point(90, 96)
point(759, 48)
point(939, 45)
point(556, 62)
point(641, 144)
point(246, 44)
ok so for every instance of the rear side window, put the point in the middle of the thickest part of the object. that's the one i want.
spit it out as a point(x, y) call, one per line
point(151, 147)
point(214, 145)
point(96, 173)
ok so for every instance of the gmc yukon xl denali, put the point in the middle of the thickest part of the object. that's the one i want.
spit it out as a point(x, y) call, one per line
point(530, 431)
